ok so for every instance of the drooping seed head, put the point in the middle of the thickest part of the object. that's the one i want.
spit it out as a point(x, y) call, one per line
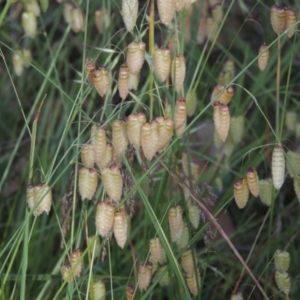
point(165, 279)
point(149, 139)
point(43, 197)
point(66, 273)
point(104, 218)
point(162, 63)
point(293, 163)
point(222, 95)
point(182, 241)
point(157, 251)
point(166, 10)
point(27, 57)
point(278, 17)
point(186, 165)
point(202, 30)
point(175, 223)
point(102, 19)
point(253, 181)
point(134, 124)
point(98, 290)
point(290, 20)
point(98, 140)
point(193, 282)
point(130, 291)
point(133, 81)
point(194, 215)
point(191, 103)
point(282, 260)
point(224, 119)
point(179, 5)
point(30, 197)
point(180, 116)
point(107, 158)
point(212, 28)
point(144, 276)
point(18, 63)
point(291, 120)
point(129, 13)
point(87, 183)
point(112, 182)
point(278, 166)
point(135, 56)
point(241, 193)
point(101, 80)
point(77, 20)
point(265, 191)
point(165, 132)
point(123, 81)
point(237, 296)
point(29, 23)
point(187, 261)
point(90, 67)
point(283, 281)
point(119, 137)
point(217, 13)
point(121, 228)
point(94, 245)
point(237, 128)
point(88, 156)
point(76, 261)
point(263, 56)
point(68, 12)
point(178, 72)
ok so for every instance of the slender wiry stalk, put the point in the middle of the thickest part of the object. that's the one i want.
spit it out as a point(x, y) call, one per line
point(278, 88)
point(151, 51)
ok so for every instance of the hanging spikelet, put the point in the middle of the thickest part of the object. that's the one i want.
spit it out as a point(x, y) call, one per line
point(278, 165)
point(263, 56)
point(121, 228)
point(237, 128)
point(133, 81)
point(134, 124)
point(282, 260)
point(123, 81)
point(77, 20)
point(191, 281)
point(178, 72)
point(130, 291)
point(101, 81)
point(104, 218)
point(290, 20)
point(182, 241)
point(157, 251)
point(283, 281)
point(90, 68)
point(224, 119)
point(144, 276)
point(112, 182)
point(162, 63)
point(297, 186)
point(188, 262)
point(168, 109)
point(165, 279)
point(98, 290)
point(217, 93)
point(107, 158)
point(149, 139)
point(165, 132)
point(98, 140)
point(180, 116)
point(202, 30)
point(293, 163)
point(129, 13)
point(88, 156)
point(66, 273)
point(32, 5)
point(30, 197)
point(291, 120)
point(102, 19)
point(135, 56)
point(194, 215)
point(241, 192)
point(277, 19)
point(194, 167)
point(229, 146)
point(166, 9)
point(119, 137)
point(253, 181)
point(94, 245)
point(179, 5)
point(265, 191)
point(175, 223)
point(68, 12)
point(237, 296)
point(212, 28)
point(76, 262)
point(191, 103)
point(217, 13)
point(43, 197)
point(18, 63)
point(87, 183)
point(221, 94)
point(229, 70)
point(29, 23)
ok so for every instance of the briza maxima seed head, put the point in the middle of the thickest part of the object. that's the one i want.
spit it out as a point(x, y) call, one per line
point(129, 13)
point(18, 63)
point(94, 245)
point(134, 125)
point(87, 183)
point(224, 121)
point(290, 20)
point(183, 240)
point(149, 139)
point(32, 5)
point(101, 80)
point(30, 196)
point(76, 261)
point(178, 72)
point(130, 291)
point(175, 222)
point(29, 23)
point(162, 63)
point(133, 81)
point(265, 191)
point(190, 166)
point(278, 166)
point(217, 13)
point(104, 218)
point(193, 282)
point(237, 128)
point(66, 273)
point(68, 12)
point(293, 163)
point(283, 281)
point(98, 140)
point(112, 182)
point(135, 56)
point(212, 28)
point(157, 251)
point(277, 19)
point(144, 276)
point(179, 5)
point(90, 67)
point(43, 197)
point(202, 30)
point(180, 116)
point(165, 279)
point(166, 10)
point(88, 156)
point(121, 227)
point(187, 261)
point(191, 103)
point(77, 20)
point(282, 260)
point(221, 94)
point(194, 215)
point(263, 56)
point(291, 120)
point(253, 181)
point(241, 192)
point(107, 157)
point(119, 137)
point(123, 81)
point(237, 296)
point(102, 19)
point(165, 132)
point(98, 290)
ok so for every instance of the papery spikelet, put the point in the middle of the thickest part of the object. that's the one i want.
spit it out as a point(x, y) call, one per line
point(178, 72)
point(290, 20)
point(175, 222)
point(88, 155)
point(166, 10)
point(224, 122)
point(265, 191)
point(112, 182)
point(120, 228)
point(119, 137)
point(104, 218)
point(191, 103)
point(157, 251)
point(42, 197)
point(102, 19)
point(180, 116)
point(212, 28)
point(253, 181)
point(291, 120)
point(283, 281)
point(98, 290)
point(32, 5)
point(134, 124)
point(68, 12)
point(27, 57)
point(90, 68)
point(135, 56)
point(130, 291)
point(94, 245)
point(194, 216)
point(229, 69)
point(241, 192)
point(165, 279)
point(101, 80)
point(87, 183)
point(129, 13)
point(263, 56)
point(194, 167)
point(144, 276)
point(282, 260)
point(278, 165)
point(202, 30)
point(277, 19)
point(165, 132)
point(228, 147)
point(237, 128)
point(222, 95)
point(107, 158)
point(162, 63)
point(179, 5)
point(77, 20)
point(66, 273)
point(187, 261)
point(98, 140)
point(182, 241)
point(29, 23)
point(217, 93)
point(237, 296)
point(217, 13)
point(168, 110)
point(191, 281)
point(172, 44)
point(297, 186)
point(154, 264)
point(30, 197)
point(293, 163)
point(149, 139)
point(76, 262)
point(18, 63)
point(123, 81)
point(133, 81)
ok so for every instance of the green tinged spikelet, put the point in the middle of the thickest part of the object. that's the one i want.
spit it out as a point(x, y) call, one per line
point(265, 191)
point(283, 281)
point(282, 260)
point(293, 163)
